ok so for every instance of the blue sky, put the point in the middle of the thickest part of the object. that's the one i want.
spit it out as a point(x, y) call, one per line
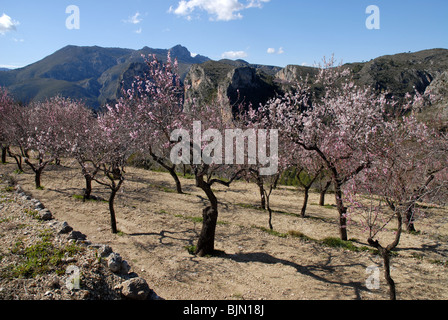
point(274, 32)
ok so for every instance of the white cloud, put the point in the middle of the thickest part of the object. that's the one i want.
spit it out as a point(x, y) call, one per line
point(138, 31)
point(279, 51)
point(8, 66)
point(7, 24)
point(234, 55)
point(135, 19)
point(219, 10)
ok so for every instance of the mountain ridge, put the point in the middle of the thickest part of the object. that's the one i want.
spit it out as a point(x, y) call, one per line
point(91, 73)
point(95, 74)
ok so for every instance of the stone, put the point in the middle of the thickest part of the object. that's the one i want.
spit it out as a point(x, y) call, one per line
point(76, 235)
point(134, 289)
point(117, 265)
point(61, 227)
point(39, 206)
point(103, 249)
point(45, 215)
point(125, 267)
point(114, 261)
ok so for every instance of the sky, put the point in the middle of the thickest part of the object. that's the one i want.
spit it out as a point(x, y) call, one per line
point(270, 32)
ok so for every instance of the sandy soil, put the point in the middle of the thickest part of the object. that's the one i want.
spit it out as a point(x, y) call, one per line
point(156, 227)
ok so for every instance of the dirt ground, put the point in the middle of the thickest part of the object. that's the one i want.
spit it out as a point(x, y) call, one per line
point(157, 226)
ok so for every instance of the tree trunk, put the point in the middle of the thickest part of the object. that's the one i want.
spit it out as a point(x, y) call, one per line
point(113, 221)
point(323, 192)
point(386, 259)
point(410, 219)
point(4, 150)
point(172, 172)
point(305, 201)
point(206, 243)
point(37, 178)
point(18, 160)
point(268, 205)
point(171, 169)
point(385, 254)
point(341, 210)
point(88, 189)
point(262, 194)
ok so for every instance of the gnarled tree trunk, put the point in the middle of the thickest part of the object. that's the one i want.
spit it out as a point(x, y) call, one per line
point(206, 242)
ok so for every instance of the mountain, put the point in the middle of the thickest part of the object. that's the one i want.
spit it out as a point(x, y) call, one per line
point(243, 82)
point(96, 75)
point(93, 74)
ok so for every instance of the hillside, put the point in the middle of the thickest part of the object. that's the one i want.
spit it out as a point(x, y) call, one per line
point(93, 74)
point(96, 74)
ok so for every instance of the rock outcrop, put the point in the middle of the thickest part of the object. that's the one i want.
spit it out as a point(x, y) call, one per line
point(237, 81)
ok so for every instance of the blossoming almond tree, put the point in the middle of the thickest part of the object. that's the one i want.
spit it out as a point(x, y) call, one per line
point(115, 143)
point(205, 153)
point(36, 133)
point(6, 103)
point(81, 134)
point(410, 169)
point(157, 100)
point(340, 124)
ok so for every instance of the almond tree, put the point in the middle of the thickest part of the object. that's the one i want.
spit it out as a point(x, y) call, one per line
point(410, 168)
point(157, 99)
point(81, 134)
point(339, 122)
point(115, 143)
point(247, 119)
point(35, 132)
point(6, 103)
point(204, 150)
point(15, 122)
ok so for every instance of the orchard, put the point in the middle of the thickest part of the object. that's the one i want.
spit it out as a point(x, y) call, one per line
point(380, 165)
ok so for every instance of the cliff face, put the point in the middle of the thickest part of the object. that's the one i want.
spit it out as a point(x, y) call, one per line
point(294, 73)
point(435, 109)
point(238, 81)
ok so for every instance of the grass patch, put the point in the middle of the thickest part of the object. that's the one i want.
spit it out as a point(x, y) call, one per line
point(8, 189)
point(259, 208)
point(33, 214)
point(93, 199)
point(272, 232)
point(191, 249)
point(187, 175)
point(199, 219)
point(249, 206)
point(347, 245)
point(40, 258)
point(439, 262)
point(299, 235)
point(165, 189)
